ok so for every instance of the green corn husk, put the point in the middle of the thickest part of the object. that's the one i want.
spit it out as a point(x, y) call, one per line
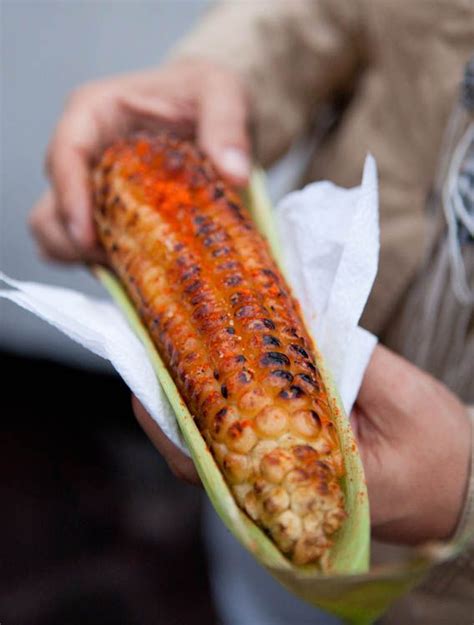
point(346, 588)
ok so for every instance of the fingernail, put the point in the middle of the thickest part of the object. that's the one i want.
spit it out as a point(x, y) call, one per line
point(235, 162)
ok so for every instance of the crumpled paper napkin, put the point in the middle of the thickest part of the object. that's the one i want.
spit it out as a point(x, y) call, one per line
point(330, 242)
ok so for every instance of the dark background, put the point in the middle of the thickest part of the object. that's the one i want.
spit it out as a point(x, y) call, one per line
point(94, 529)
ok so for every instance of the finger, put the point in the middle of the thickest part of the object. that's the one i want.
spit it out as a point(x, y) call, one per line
point(48, 230)
point(53, 239)
point(70, 178)
point(74, 145)
point(179, 464)
point(222, 126)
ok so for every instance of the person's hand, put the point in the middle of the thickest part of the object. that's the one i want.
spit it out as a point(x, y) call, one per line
point(414, 439)
point(181, 465)
point(194, 97)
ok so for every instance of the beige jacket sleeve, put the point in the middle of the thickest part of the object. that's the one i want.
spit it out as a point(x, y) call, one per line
point(292, 56)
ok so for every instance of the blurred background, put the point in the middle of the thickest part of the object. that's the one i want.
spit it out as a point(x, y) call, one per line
point(94, 529)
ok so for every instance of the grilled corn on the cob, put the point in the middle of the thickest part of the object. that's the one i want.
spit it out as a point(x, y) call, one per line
point(230, 333)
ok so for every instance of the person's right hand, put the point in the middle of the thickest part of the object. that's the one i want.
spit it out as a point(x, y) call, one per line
point(194, 97)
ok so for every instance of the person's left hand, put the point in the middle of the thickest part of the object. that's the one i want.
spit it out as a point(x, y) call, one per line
point(414, 439)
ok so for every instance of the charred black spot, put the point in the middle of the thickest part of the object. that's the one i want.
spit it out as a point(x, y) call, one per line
point(291, 331)
point(217, 193)
point(174, 160)
point(282, 374)
point(233, 280)
point(270, 273)
point(115, 247)
point(230, 330)
point(193, 286)
point(199, 219)
point(201, 311)
point(197, 299)
point(216, 374)
point(292, 393)
point(245, 376)
point(304, 452)
point(268, 323)
point(224, 391)
point(192, 271)
point(219, 419)
point(236, 209)
point(315, 417)
point(206, 228)
point(275, 358)
point(216, 237)
point(271, 340)
point(221, 251)
point(311, 366)
point(323, 466)
point(240, 358)
point(235, 298)
point(245, 312)
point(306, 378)
point(229, 264)
point(299, 350)
point(256, 324)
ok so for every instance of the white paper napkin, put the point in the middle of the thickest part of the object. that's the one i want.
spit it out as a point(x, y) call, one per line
point(330, 239)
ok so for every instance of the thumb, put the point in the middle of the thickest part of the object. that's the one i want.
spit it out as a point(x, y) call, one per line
point(222, 126)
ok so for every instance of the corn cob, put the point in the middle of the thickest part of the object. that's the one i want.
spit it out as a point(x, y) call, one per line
point(231, 335)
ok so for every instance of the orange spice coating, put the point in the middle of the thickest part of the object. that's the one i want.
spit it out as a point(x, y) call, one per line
point(230, 333)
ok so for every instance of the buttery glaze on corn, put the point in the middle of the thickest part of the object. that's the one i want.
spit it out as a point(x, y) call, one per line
point(224, 322)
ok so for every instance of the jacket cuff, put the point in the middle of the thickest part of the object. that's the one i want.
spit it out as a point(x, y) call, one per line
point(464, 532)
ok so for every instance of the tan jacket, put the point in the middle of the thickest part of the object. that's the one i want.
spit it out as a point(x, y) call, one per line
point(391, 68)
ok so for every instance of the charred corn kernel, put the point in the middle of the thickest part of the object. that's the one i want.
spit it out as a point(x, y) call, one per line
point(231, 335)
point(276, 464)
point(271, 421)
point(306, 423)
